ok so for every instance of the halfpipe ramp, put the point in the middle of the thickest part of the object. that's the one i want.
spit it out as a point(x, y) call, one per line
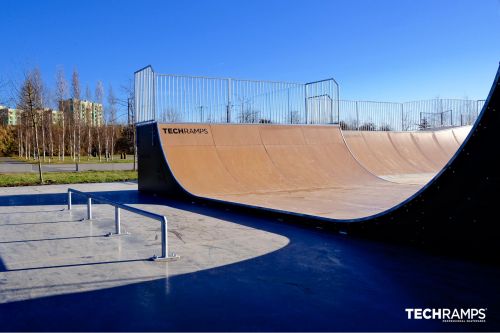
point(313, 171)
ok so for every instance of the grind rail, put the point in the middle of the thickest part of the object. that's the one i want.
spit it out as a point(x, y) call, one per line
point(165, 256)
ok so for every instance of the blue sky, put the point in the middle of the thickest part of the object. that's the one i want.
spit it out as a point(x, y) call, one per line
point(377, 50)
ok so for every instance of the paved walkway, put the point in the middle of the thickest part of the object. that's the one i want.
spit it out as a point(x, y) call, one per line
point(236, 272)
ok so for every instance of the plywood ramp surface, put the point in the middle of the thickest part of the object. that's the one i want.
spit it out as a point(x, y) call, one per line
point(300, 169)
point(405, 156)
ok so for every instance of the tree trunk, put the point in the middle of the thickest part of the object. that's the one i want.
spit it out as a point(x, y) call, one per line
point(89, 150)
point(43, 135)
point(79, 136)
point(98, 128)
point(112, 141)
point(20, 139)
point(74, 137)
point(106, 142)
point(37, 147)
point(63, 132)
point(51, 141)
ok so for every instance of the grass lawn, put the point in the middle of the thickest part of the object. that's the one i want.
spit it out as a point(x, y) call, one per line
point(25, 179)
point(83, 160)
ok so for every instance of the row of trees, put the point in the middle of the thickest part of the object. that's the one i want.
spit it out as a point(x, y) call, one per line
point(72, 132)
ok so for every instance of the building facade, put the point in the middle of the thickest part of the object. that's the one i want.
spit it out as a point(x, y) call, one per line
point(8, 116)
point(88, 111)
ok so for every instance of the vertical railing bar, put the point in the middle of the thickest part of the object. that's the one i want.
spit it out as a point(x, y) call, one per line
point(89, 208)
point(117, 221)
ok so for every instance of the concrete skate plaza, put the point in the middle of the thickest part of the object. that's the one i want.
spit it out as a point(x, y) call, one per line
point(236, 272)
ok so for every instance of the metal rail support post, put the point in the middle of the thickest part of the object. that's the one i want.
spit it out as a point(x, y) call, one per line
point(89, 208)
point(117, 221)
point(165, 256)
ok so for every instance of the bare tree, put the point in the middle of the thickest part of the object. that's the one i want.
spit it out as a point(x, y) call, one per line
point(60, 95)
point(171, 115)
point(99, 96)
point(75, 93)
point(3, 90)
point(405, 121)
point(42, 127)
point(112, 101)
point(88, 94)
point(248, 115)
point(129, 93)
point(294, 117)
point(88, 122)
point(30, 101)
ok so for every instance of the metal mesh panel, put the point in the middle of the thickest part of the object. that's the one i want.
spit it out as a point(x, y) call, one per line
point(408, 116)
point(176, 98)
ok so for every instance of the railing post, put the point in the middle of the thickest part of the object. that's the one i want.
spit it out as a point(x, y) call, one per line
point(402, 118)
point(89, 208)
point(357, 115)
point(229, 99)
point(164, 238)
point(69, 200)
point(306, 115)
point(117, 220)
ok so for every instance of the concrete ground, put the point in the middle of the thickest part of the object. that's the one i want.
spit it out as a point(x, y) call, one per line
point(236, 272)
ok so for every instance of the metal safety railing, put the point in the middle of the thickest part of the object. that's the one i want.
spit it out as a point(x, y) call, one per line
point(165, 256)
point(198, 99)
point(408, 116)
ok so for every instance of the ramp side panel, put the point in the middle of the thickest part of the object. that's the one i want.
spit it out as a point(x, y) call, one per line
point(154, 175)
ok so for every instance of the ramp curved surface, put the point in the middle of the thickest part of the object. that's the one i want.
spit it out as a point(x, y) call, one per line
point(305, 170)
point(403, 156)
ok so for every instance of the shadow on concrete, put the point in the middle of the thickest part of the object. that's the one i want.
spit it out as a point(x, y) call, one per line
point(34, 212)
point(41, 223)
point(320, 281)
point(43, 199)
point(50, 239)
point(71, 265)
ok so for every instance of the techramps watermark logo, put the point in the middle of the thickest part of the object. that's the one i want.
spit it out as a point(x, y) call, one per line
point(185, 130)
point(448, 315)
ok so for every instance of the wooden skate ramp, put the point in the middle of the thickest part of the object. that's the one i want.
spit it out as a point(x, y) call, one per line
point(300, 169)
point(306, 169)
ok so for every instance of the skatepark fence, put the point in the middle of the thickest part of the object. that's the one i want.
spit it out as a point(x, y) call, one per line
point(165, 256)
point(197, 99)
point(408, 116)
point(172, 98)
